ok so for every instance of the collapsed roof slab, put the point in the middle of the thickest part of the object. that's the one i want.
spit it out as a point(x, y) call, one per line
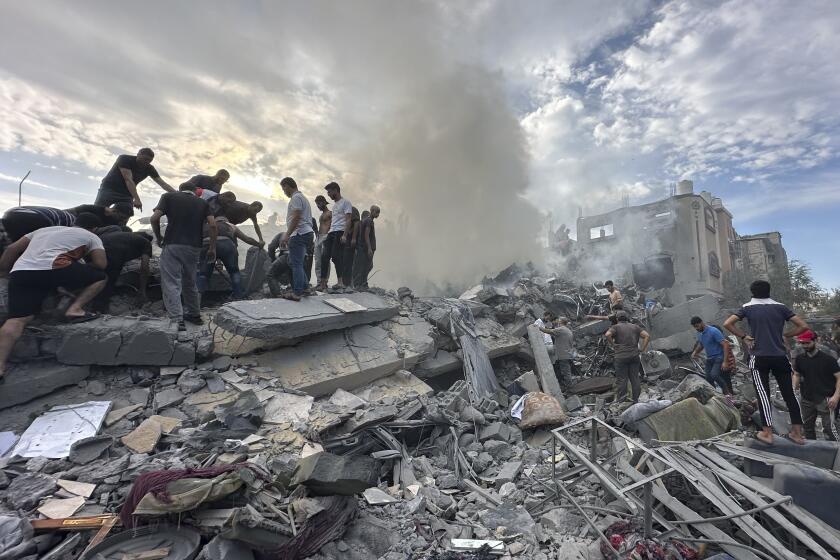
point(280, 322)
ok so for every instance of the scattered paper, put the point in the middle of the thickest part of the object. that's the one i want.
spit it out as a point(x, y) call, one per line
point(52, 433)
point(345, 305)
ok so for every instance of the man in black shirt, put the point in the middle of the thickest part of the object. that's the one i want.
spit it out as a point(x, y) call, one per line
point(186, 215)
point(209, 182)
point(365, 248)
point(120, 184)
point(21, 220)
point(238, 212)
point(120, 248)
point(817, 375)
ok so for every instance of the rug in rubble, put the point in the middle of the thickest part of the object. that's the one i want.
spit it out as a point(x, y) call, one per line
point(690, 420)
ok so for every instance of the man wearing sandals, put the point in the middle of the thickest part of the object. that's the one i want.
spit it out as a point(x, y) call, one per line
point(298, 236)
point(768, 354)
point(44, 260)
point(817, 375)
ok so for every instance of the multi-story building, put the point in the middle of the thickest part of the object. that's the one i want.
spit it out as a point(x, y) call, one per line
point(685, 243)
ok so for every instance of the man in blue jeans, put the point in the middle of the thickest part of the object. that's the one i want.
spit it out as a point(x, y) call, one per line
point(717, 348)
point(299, 234)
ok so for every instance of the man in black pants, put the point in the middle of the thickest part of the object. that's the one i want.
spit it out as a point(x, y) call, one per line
point(337, 239)
point(817, 375)
point(120, 248)
point(44, 260)
point(768, 354)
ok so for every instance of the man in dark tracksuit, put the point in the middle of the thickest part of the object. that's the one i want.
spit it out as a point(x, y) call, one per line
point(768, 354)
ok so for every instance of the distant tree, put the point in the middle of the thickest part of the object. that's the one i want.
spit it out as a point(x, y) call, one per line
point(831, 303)
point(805, 293)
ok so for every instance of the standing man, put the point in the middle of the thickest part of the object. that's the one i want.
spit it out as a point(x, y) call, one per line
point(299, 234)
point(624, 337)
point(44, 260)
point(324, 221)
point(337, 238)
point(564, 346)
point(208, 182)
point(545, 324)
point(768, 354)
point(186, 215)
point(365, 248)
point(120, 184)
point(717, 349)
point(817, 375)
point(616, 299)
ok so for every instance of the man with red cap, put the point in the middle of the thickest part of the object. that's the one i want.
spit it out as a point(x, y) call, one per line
point(817, 375)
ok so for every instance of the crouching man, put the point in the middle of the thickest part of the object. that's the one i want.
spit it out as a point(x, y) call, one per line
point(44, 260)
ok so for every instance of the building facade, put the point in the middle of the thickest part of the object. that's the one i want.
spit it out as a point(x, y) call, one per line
point(685, 243)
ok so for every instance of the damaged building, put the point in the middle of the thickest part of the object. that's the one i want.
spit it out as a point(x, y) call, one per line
point(685, 244)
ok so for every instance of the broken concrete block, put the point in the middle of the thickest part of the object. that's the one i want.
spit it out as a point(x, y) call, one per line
point(279, 321)
point(36, 379)
point(529, 382)
point(495, 338)
point(61, 509)
point(572, 403)
point(336, 360)
point(144, 438)
point(325, 474)
point(508, 473)
point(673, 320)
point(413, 335)
point(508, 519)
point(399, 386)
point(676, 343)
point(86, 450)
point(496, 431)
point(287, 407)
point(376, 497)
point(169, 397)
point(346, 400)
point(596, 327)
point(78, 488)
point(191, 382)
point(499, 450)
point(438, 363)
point(26, 490)
point(809, 487)
point(822, 453)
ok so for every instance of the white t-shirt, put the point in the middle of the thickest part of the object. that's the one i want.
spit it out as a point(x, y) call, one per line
point(546, 337)
point(339, 215)
point(299, 202)
point(56, 247)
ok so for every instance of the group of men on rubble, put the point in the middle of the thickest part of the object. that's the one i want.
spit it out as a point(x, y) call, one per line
point(43, 246)
point(814, 372)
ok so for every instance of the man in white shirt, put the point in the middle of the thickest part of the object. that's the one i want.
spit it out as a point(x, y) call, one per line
point(299, 234)
point(544, 324)
point(337, 238)
point(47, 259)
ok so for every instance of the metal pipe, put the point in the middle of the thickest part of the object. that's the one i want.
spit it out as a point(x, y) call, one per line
point(20, 187)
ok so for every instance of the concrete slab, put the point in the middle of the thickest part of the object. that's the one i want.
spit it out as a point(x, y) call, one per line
point(112, 340)
point(279, 320)
point(399, 386)
point(438, 363)
point(413, 334)
point(677, 343)
point(336, 360)
point(495, 338)
point(676, 319)
point(822, 453)
point(36, 379)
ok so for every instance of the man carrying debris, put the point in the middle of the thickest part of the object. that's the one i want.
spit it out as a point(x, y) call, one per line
point(545, 323)
point(120, 184)
point(337, 238)
point(817, 375)
point(616, 299)
point(624, 337)
point(718, 350)
point(298, 235)
point(44, 260)
point(21, 220)
point(768, 354)
point(564, 346)
point(211, 183)
point(365, 247)
point(186, 215)
point(227, 252)
point(120, 248)
point(238, 212)
point(324, 221)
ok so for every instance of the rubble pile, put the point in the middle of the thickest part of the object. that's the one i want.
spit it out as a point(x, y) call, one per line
point(384, 425)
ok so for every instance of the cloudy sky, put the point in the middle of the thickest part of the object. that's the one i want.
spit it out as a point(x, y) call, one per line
point(460, 118)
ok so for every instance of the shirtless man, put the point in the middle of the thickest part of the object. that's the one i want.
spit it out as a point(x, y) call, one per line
point(324, 221)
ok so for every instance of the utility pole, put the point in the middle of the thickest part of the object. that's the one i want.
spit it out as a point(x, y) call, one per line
point(20, 187)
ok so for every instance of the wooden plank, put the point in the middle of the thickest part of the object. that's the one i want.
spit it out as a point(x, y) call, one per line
point(711, 491)
point(545, 369)
point(684, 512)
point(816, 526)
